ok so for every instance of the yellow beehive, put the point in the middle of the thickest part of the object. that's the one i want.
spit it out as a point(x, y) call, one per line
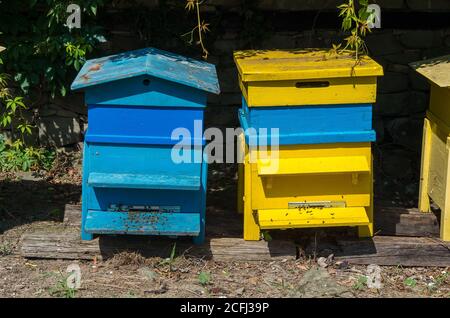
point(435, 167)
point(306, 186)
point(305, 77)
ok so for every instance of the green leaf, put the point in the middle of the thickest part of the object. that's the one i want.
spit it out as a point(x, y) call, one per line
point(267, 237)
point(173, 252)
point(25, 166)
point(204, 278)
point(62, 90)
point(361, 283)
point(76, 65)
point(410, 282)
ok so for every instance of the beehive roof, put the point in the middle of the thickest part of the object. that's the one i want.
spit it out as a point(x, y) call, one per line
point(436, 70)
point(297, 64)
point(148, 61)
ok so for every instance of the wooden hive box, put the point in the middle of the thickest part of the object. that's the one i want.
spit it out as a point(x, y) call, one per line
point(305, 77)
point(131, 184)
point(306, 186)
point(435, 167)
point(310, 96)
point(319, 109)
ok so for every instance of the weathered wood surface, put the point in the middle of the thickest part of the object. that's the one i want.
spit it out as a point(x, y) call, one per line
point(72, 215)
point(219, 225)
point(436, 70)
point(391, 250)
point(405, 222)
point(67, 245)
point(224, 244)
point(381, 250)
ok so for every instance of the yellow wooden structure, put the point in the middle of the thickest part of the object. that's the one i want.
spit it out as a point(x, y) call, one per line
point(305, 77)
point(435, 167)
point(306, 184)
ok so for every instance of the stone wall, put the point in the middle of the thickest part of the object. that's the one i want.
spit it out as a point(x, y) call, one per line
point(302, 5)
point(402, 94)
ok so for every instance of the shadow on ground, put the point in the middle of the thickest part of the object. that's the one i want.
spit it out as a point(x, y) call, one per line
point(27, 201)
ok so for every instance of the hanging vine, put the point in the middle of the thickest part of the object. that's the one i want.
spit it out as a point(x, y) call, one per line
point(201, 28)
point(355, 17)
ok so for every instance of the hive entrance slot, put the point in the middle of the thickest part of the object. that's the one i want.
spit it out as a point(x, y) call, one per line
point(143, 208)
point(316, 204)
point(315, 84)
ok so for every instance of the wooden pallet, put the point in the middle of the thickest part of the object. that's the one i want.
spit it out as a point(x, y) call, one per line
point(405, 222)
point(224, 243)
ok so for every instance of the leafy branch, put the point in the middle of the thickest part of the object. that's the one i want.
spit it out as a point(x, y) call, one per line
point(16, 156)
point(355, 16)
point(12, 106)
point(201, 28)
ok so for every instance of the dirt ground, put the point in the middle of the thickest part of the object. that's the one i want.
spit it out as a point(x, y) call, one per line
point(30, 201)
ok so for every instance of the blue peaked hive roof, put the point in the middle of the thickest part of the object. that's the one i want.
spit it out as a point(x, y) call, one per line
point(152, 62)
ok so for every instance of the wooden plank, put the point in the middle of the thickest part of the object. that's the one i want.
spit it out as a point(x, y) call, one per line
point(67, 245)
point(142, 223)
point(445, 210)
point(405, 222)
point(144, 181)
point(424, 200)
point(439, 101)
point(312, 217)
point(286, 93)
point(437, 125)
point(367, 231)
point(438, 169)
point(236, 249)
point(251, 228)
point(72, 215)
point(63, 242)
point(437, 70)
point(391, 250)
point(240, 189)
point(315, 165)
point(381, 250)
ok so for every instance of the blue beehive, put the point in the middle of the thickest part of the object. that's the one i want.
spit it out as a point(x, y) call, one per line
point(131, 185)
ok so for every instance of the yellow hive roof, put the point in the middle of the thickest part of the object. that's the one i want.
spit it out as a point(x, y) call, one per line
point(298, 64)
point(436, 70)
